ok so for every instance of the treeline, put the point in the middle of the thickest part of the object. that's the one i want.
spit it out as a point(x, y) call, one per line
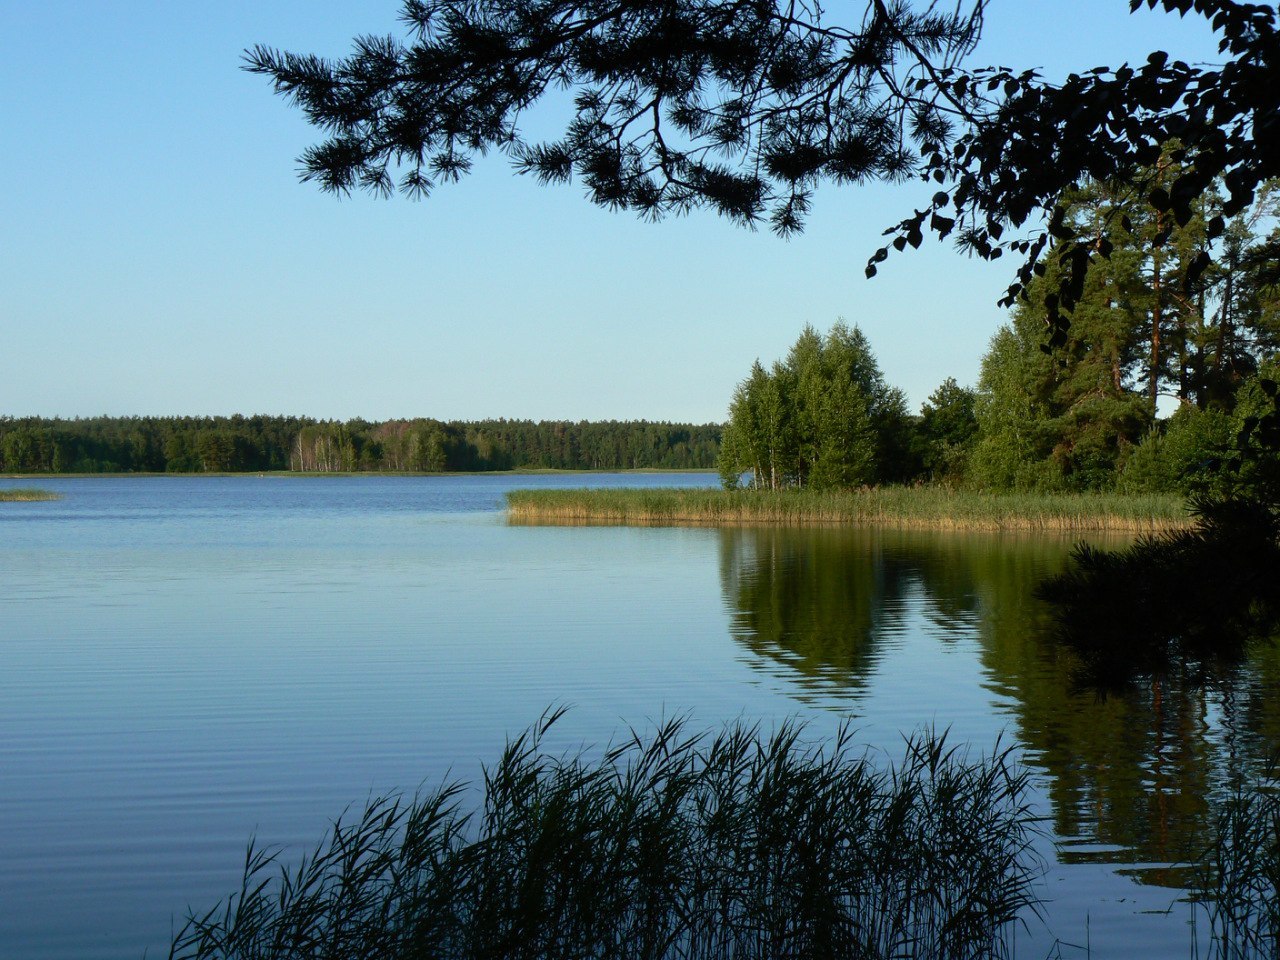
point(1165, 313)
point(259, 443)
point(824, 418)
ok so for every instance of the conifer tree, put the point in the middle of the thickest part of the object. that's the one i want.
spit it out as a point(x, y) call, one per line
point(746, 108)
point(1135, 334)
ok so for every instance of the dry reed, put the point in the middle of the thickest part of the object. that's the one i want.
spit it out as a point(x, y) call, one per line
point(26, 495)
point(911, 507)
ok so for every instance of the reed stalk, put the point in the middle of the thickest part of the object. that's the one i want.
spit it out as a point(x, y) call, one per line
point(1239, 879)
point(698, 846)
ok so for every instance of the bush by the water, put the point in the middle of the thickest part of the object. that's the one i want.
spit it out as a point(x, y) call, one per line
point(727, 845)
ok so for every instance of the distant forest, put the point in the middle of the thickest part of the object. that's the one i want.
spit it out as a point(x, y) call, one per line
point(233, 444)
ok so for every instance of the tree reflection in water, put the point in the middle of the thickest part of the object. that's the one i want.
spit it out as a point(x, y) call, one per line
point(811, 599)
point(1130, 778)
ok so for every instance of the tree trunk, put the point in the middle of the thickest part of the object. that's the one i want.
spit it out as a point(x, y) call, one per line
point(1157, 319)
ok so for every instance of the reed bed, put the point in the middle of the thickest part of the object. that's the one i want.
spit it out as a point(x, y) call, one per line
point(722, 845)
point(26, 495)
point(921, 507)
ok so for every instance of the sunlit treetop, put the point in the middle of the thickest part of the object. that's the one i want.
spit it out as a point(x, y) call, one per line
point(745, 106)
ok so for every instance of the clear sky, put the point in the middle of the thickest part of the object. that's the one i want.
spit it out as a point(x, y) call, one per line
point(158, 255)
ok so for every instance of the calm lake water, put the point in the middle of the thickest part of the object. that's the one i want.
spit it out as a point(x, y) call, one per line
point(188, 662)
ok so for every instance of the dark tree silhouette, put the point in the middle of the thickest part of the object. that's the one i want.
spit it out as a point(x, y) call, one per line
point(739, 106)
point(744, 106)
point(1191, 601)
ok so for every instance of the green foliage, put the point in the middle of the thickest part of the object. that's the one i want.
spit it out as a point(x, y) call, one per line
point(231, 444)
point(1077, 415)
point(1182, 454)
point(762, 427)
point(1253, 467)
point(1012, 451)
point(675, 845)
point(1213, 453)
point(145, 444)
point(1168, 314)
point(824, 418)
point(948, 429)
point(1068, 418)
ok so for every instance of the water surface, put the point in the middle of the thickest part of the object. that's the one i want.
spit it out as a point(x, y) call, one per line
point(187, 662)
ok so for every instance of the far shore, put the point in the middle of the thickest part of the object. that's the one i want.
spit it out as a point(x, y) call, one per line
point(517, 472)
point(924, 507)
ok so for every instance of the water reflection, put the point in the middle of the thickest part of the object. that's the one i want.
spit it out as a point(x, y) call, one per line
point(815, 601)
point(1129, 778)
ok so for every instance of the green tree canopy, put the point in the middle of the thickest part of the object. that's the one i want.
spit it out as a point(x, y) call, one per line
point(198, 444)
point(824, 418)
point(947, 430)
point(1074, 416)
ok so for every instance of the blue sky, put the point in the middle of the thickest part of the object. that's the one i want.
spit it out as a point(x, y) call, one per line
point(160, 257)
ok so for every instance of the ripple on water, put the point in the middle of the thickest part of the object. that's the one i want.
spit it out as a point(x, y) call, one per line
point(187, 663)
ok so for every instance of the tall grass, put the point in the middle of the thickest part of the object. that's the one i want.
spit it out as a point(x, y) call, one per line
point(1239, 881)
point(26, 494)
point(926, 506)
point(676, 845)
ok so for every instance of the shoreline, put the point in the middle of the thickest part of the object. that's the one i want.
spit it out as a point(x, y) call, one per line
point(301, 474)
point(925, 508)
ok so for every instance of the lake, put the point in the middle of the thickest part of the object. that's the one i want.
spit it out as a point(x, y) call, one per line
point(188, 662)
